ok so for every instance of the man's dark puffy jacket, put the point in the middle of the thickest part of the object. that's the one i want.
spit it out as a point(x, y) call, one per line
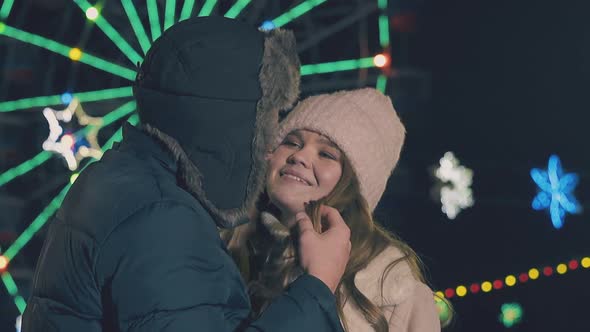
point(135, 245)
point(131, 251)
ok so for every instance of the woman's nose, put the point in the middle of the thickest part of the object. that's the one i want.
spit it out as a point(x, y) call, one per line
point(300, 157)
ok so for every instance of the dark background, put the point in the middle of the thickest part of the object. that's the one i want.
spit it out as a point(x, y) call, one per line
point(502, 84)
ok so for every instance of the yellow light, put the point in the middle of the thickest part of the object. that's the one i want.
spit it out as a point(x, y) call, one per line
point(510, 280)
point(461, 291)
point(92, 13)
point(3, 263)
point(533, 274)
point(75, 54)
point(380, 60)
point(440, 294)
point(486, 286)
point(586, 262)
point(561, 268)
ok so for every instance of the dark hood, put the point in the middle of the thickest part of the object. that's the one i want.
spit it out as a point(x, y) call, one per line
point(210, 90)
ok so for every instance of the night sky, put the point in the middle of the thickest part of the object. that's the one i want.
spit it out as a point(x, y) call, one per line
point(501, 84)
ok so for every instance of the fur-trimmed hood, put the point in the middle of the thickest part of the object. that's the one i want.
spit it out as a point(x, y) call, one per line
point(210, 91)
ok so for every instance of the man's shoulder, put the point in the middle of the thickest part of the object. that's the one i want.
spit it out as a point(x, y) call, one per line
point(114, 189)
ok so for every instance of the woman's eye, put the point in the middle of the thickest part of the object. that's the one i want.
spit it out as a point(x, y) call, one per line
point(327, 155)
point(291, 143)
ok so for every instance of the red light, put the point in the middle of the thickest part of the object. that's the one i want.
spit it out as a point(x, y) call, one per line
point(449, 293)
point(573, 264)
point(498, 284)
point(3, 263)
point(523, 277)
point(547, 271)
point(381, 60)
point(474, 288)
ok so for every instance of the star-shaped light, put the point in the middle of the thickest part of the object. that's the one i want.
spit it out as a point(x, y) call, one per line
point(511, 314)
point(72, 146)
point(556, 191)
point(18, 323)
point(456, 193)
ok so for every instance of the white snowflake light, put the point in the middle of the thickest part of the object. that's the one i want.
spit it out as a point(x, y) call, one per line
point(18, 323)
point(456, 193)
point(68, 145)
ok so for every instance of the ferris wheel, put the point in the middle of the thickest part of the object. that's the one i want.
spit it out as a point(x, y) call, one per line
point(89, 53)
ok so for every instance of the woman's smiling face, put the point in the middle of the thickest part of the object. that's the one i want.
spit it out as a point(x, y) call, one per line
point(305, 167)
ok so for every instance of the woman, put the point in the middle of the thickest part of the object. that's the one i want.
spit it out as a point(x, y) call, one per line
point(337, 150)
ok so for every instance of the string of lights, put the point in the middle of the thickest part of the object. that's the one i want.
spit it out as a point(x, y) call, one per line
point(511, 280)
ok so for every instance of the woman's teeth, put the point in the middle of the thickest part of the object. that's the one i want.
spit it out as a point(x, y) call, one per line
point(295, 178)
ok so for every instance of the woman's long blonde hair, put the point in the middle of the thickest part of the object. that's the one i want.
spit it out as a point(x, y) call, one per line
point(269, 265)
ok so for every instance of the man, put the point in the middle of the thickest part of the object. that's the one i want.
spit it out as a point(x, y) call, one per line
point(135, 245)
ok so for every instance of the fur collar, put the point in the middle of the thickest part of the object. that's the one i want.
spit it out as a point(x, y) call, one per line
point(279, 79)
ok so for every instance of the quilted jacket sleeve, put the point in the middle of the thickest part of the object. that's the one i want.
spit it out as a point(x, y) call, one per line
point(166, 271)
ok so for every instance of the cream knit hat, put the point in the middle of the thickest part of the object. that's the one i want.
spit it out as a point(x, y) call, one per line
point(364, 125)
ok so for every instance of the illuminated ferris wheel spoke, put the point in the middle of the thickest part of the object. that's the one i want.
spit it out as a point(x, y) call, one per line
point(296, 11)
point(207, 8)
point(154, 18)
point(237, 8)
point(73, 53)
point(111, 32)
point(87, 96)
point(329, 67)
point(169, 14)
point(13, 291)
point(156, 27)
point(5, 9)
point(55, 203)
point(25, 167)
point(44, 156)
point(187, 10)
point(136, 24)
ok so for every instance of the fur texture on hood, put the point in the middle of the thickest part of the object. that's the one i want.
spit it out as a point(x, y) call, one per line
point(245, 113)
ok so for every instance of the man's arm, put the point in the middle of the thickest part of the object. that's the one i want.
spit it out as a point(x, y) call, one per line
point(165, 270)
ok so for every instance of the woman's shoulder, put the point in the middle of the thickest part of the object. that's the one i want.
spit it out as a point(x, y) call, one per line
point(386, 284)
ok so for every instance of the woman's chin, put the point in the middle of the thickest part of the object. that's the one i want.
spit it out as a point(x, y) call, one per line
point(287, 206)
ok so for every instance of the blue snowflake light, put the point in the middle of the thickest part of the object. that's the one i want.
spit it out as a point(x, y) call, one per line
point(556, 191)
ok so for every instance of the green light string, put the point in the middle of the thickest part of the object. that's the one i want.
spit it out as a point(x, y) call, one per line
point(295, 12)
point(154, 18)
point(44, 156)
point(136, 24)
point(5, 9)
point(237, 8)
point(13, 291)
point(42, 219)
point(49, 210)
point(330, 67)
point(113, 34)
point(381, 83)
point(384, 31)
point(66, 51)
point(169, 14)
point(25, 167)
point(187, 10)
point(207, 8)
point(83, 97)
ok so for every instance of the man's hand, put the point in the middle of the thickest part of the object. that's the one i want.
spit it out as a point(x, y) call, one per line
point(324, 255)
